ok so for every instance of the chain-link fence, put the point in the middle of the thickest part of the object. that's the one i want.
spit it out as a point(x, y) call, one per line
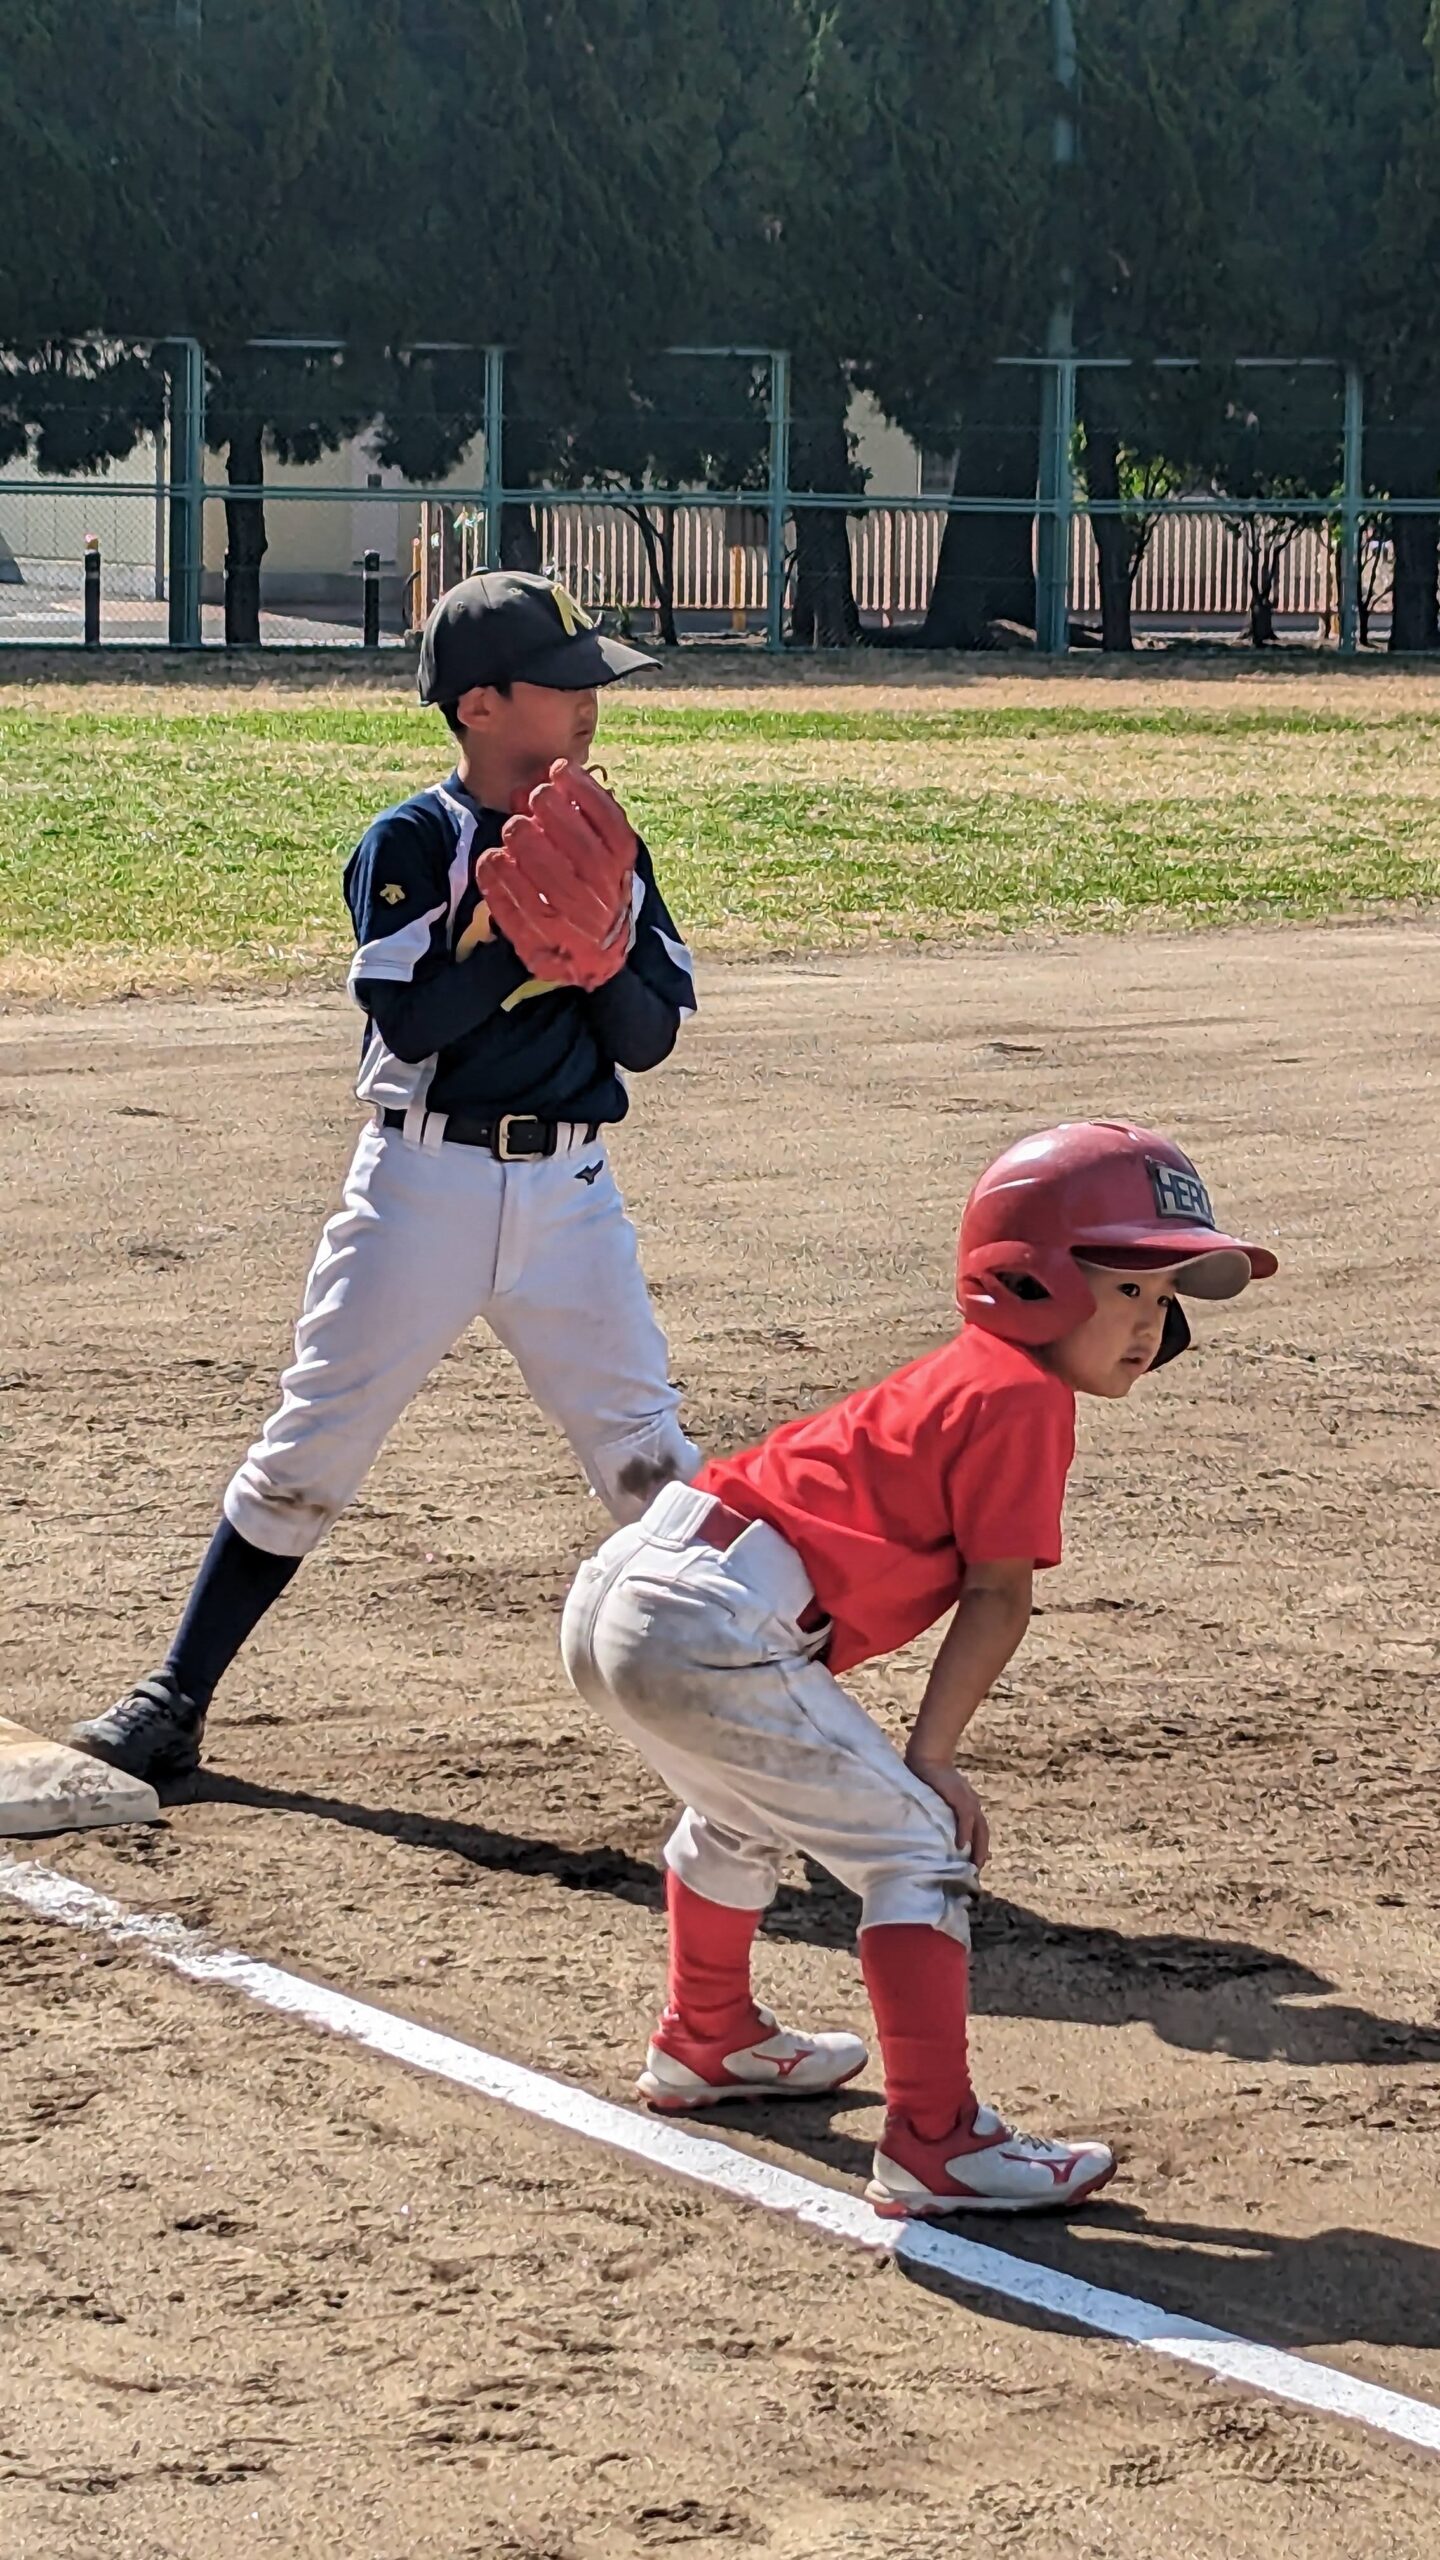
point(313, 583)
point(1257, 502)
point(1195, 577)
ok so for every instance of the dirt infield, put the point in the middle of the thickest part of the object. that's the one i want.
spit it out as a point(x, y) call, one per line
point(265, 2293)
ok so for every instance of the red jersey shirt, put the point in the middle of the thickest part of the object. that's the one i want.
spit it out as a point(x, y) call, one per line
point(958, 1459)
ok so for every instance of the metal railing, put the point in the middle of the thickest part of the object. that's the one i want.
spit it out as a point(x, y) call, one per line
point(732, 549)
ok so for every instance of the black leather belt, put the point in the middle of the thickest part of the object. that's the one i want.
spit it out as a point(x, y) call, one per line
point(515, 1138)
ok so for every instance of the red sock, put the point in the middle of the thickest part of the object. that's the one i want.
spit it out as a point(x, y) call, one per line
point(919, 1985)
point(709, 1965)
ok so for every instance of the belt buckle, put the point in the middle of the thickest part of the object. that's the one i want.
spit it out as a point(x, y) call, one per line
point(516, 1155)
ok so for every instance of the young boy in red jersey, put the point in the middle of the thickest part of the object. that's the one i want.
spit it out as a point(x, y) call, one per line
point(711, 1633)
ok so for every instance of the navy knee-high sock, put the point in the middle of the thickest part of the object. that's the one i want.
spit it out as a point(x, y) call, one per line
point(234, 1587)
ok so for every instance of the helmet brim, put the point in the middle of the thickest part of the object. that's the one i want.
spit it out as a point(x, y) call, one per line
point(1206, 1263)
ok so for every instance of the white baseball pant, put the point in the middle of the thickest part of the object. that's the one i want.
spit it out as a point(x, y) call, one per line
point(698, 1660)
point(427, 1239)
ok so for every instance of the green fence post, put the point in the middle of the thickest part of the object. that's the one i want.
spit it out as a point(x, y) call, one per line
point(1351, 499)
point(1055, 493)
point(777, 499)
point(187, 491)
point(1055, 502)
point(494, 452)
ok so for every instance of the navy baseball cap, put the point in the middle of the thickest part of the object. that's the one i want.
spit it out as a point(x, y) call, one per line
point(507, 625)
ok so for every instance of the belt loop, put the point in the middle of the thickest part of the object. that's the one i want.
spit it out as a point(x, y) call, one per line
point(677, 1511)
point(413, 1132)
point(432, 1135)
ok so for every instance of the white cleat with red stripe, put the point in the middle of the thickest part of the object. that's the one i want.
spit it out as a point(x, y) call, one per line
point(682, 2072)
point(987, 2169)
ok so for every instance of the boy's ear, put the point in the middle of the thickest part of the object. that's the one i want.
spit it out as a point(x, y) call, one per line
point(473, 707)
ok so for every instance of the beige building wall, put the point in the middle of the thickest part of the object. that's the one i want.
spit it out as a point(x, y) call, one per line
point(316, 548)
point(325, 536)
point(42, 538)
point(889, 456)
point(319, 546)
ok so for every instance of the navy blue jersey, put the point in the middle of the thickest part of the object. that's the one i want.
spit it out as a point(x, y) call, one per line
point(456, 1024)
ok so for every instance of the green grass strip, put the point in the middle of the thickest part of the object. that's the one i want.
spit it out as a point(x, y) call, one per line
point(222, 832)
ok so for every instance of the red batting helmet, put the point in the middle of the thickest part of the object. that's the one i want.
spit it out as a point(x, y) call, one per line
point(1101, 1190)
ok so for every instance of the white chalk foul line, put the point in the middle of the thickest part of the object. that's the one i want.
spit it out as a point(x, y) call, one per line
point(963, 2263)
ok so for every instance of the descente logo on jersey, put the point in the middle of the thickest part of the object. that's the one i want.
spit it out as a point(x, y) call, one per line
point(1180, 1195)
point(573, 615)
point(392, 893)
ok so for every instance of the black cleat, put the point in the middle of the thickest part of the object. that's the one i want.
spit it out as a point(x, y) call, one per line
point(153, 1732)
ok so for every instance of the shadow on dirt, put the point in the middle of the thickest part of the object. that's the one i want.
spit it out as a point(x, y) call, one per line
point(1328, 2288)
point(1324, 2289)
point(1202, 1995)
point(1221, 1995)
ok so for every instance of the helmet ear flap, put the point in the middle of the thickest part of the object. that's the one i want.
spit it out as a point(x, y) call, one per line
point(1176, 1336)
point(1051, 1299)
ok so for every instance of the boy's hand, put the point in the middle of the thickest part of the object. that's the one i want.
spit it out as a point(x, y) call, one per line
point(972, 1831)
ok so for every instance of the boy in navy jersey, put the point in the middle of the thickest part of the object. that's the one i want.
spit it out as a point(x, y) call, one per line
point(481, 1184)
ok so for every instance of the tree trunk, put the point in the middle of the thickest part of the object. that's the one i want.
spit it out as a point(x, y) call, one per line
point(1413, 622)
point(1365, 583)
point(659, 540)
point(245, 543)
point(824, 614)
point(986, 571)
point(1114, 543)
point(519, 540)
point(1261, 564)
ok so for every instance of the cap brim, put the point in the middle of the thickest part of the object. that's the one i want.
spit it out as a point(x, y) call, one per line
point(591, 658)
point(1206, 1264)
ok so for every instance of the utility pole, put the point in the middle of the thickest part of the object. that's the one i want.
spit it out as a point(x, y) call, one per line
point(777, 493)
point(187, 369)
point(1352, 501)
point(1056, 489)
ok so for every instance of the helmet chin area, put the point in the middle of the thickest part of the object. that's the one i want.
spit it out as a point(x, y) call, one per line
point(1176, 1336)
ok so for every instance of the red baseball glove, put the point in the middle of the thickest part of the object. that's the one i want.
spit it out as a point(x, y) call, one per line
point(559, 883)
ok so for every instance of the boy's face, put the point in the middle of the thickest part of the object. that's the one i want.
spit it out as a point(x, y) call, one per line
point(520, 734)
point(1105, 1355)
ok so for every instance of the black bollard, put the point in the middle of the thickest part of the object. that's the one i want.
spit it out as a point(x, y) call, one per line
point(92, 590)
point(372, 600)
